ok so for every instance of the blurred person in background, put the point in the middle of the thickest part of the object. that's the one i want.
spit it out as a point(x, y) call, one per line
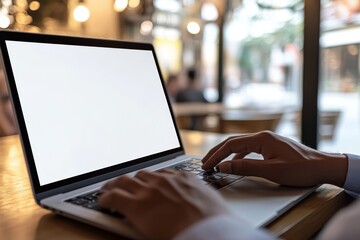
point(192, 92)
point(7, 121)
point(172, 86)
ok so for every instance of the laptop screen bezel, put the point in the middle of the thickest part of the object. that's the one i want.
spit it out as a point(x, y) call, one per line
point(76, 41)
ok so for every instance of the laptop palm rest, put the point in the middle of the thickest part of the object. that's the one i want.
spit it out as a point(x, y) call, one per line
point(258, 201)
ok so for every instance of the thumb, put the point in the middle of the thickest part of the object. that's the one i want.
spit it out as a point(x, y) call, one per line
point(246, 167)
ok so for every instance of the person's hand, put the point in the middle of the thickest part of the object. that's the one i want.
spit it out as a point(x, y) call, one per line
point(285, 161)
point(161, 204)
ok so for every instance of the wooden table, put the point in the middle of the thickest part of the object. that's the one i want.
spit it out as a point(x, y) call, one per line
point(217, 117)
point(201, 109)
point(197, 109)
point(21, 218)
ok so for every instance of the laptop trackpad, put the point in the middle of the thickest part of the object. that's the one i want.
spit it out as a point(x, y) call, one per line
point(259, 201)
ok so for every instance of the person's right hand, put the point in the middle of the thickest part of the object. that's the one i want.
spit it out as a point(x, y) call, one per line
point(285, 161)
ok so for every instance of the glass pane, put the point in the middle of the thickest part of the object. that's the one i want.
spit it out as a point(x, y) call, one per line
point(339, 87)
point(263, 54)
point(209, 61)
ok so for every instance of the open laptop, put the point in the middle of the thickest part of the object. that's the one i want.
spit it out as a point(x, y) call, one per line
point(89, 110)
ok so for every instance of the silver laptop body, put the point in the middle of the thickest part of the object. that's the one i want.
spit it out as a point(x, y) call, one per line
point(90, 110)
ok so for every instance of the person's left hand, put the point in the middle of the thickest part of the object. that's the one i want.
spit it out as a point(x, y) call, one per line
point(162, 204)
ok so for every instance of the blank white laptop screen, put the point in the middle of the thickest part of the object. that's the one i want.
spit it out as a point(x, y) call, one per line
point(88, 108)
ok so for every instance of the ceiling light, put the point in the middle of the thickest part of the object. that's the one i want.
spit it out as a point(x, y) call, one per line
point(81, 13)
point(193, 27)
point(120, 5)
point(209, 12)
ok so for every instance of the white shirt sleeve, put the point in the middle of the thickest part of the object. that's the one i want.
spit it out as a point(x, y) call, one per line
point(344, 225)
point(352, 182)
point(224, 227)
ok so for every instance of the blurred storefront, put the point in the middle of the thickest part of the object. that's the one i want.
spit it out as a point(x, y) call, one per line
point(263, 47)
point(340, 72)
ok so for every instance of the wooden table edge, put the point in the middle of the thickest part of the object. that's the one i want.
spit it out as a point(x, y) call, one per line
point(310, 215)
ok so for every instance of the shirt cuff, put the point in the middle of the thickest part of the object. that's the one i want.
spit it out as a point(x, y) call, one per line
point(352, 182)
point(225, 227)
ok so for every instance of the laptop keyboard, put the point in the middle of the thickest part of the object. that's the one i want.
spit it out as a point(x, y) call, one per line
point(89, 200)
point(214, 179)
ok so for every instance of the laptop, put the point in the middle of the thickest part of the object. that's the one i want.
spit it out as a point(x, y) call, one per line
point(89, 110)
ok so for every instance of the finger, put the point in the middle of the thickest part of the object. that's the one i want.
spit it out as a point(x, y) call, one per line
point(124, 182)
point(164, 182)
point(146, 176)
point(116, 199)
point(247, 143)
point(240, 155)
point(249, 167)
point(150, 176)
point(210, 154)
point(167, 171)
point(160, 176)
point(214, 149)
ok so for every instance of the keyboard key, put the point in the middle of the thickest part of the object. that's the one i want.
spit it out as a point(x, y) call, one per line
point(213, 177)
point(201, 177)
point(208, 173)
point(221, 183)
point(196, 172)
point(235, 177)
point(195, 166)
point(187, 169)
point(78, 201)
point(194, 161)
point(92, 205)
point(220, 174)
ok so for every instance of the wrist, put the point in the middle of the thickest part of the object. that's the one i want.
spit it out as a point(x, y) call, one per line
point(335, 169)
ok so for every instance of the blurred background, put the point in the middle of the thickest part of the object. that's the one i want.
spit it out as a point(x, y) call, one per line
point(243, 59)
